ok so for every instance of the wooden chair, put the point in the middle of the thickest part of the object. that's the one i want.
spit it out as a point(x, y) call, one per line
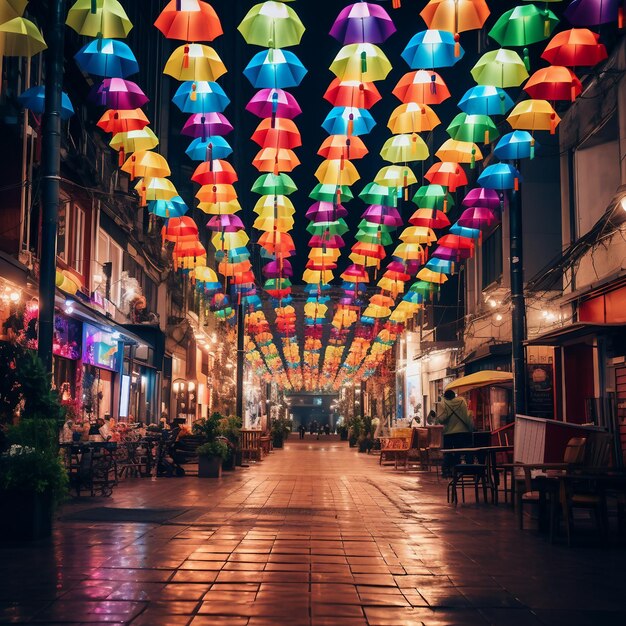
point(250, 444)
point(392, 449)
point(431, 448)
point(413, 453)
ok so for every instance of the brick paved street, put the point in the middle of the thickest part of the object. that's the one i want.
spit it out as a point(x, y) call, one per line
point(315, 534)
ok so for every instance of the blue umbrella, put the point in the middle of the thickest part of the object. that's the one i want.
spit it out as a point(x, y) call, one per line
point(442, 266)
point(429, 49)
point(200, 97)
point(198, 149)
point(274, 69)
point(168, 208)
point(237, 255)
point(339, 119)
point(499, 176)
point(464, 231)
point(107, 57)
point(485, 100)
point(35, 99)
point(519, 144)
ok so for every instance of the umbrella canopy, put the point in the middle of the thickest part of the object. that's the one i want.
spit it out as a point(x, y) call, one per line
point(500, 68)
point(272, 24)
point(379, 214)
point(533, 115)
point(479, 197)
point(215, 194)
point(592, 12)
point(155, 188)
point(21, 38)
point(12, 8)
point(404, 148)
point(433, 197)
point(523, 25)
point(121, 121)
point(474, 128)
point(189, 20)
point(331, 193)
point(373, 193)
point(463, 231)
point(269, 224)
point(134, 140)
point(278, 205)
point(216, 172)
point(418, 234)
point(412, 118)
point(430, 49)
point(206, 124)
point(275, 160)
point(273, 69)
point(196, 62)
point(225, 223)
point(577, 47)
point(361, 61)
point(107, 57)
point(175, 207)
point(219, 208)
point(554, 83)
point(99, 18)
point(209, 148)
point(362, 22)
point(395, 176)
point(499, 176)
point(485, 100)
point(459, 152)
point(338, 146)
point(273, 102)
point(429, 218)
point(118, 93)
point(423, 86)
point(277, 133)
point(455, 16)
point(146, 163)
point(200, 97)
point(477, 217)
point(352, 93)
point(35, 97)
point(337, 172)
point(484, 378)
point(274, 184)
point(446, 174)
point(348, 121)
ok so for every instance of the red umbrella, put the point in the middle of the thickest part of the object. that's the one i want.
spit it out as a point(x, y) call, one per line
point(189, 20)
point(277, 133)
point(446, 174)
point(456, 242)
point(217, 172)
point(423, 86)
point(338, 146)
point(123, 121)
point(430, 218)
point(556, 82)
point(577, 47)
point(352, 93)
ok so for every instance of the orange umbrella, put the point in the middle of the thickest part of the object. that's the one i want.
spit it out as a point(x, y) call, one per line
point(455, 16)
point(179, 228)
point(275, 160)
point(216, 193)
point(338, 146)
point(114, 121)
point(352, 93)
point(189, 20)
point(431, 218)
point(217, 172)
point(277, 133)
point(277, 243)
point(422, 86)
point(446, 174)
point(412, 118)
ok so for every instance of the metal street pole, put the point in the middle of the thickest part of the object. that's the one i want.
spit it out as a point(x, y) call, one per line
point(50, 179)
point(240, 360)
point(518, 305)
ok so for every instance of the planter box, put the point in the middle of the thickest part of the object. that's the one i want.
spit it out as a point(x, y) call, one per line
point(209, 467)
point(230, 463)
point(25, 515)
point(277, 443)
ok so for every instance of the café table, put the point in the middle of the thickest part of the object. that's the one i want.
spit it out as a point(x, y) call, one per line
point(91, 466)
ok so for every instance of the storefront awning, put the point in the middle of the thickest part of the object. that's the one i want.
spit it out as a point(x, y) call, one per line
point(12, 270)
point(484, 378)
point(572, 333)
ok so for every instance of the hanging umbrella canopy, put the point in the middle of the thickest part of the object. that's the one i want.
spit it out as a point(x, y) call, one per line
point(11, 8)
point(337, 172)
point(373, 233)
point(34, 99)
point(216, 172)
point(189, 20)
point(412, 118)
point(395, 176)
point(134, 141)
point(271, 24)
point(592, 12)
point(196, 62)
point(477, 217)
point(270, 184)
point(209, 148)
point(459, 152)
point(500, 68)
point(523, 25)
point(404, 148)
point(485, 100)
point(429, 218)
point(21, 38)
point(485, 198)
point(362, 22)
point(155, 188)
point(463, 231)
point(175, 207)
point(577, 47)
point(533, 115)
point(499, 176)
point(352, 93)
point(427, 275)
point(554, 83)
point(379, 214)
point(200, 97)
point(273, 102)
point(433, 197)
point(418, 234)
point(277, 243)
point(121, 121)
point(441, 266)
point(225, 223)
point(423, 86)
point(214, 194)
point(484, 378)
point(325, 211)
point(107, 57)
point(331, 193)
point(277, 133)
point(430, 49)
point(474, 128)
point(146, 163)
point(275, 160)
point(338, 227)
point(361, 61)
point(269, 224)
point(118, 93)
point(278, 205)
point(274, 69)
point(373, 193)
point(455, 16)
point(219, 208)
point(348, 121)
point(99, 18)
point(338, 146)
point(206, 124)
point(446, 174)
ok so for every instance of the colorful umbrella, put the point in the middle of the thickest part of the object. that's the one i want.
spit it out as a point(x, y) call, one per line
point(275, 160)
point(206, 124)
point(273, 102)
point(533, 115)
point(133, 141)
point(592, 12)
point(404, 149)
point(196, 62)
point(271, 24)
point(34, 100)
point(155, 188)
point(433, 197)
point(446, 174)
point(175, 207)
point(379, 214)
point(423, 86)
point(430, 49)
point(200, 97)
point(373, 193)
point(219, 208)
point(474, 128)
point(21, 38)
point(362, 22)
point(146, 163)
point(361, 61)
point(499, 176)
point(338, 146)
point(107, 57)
point(477, 217)
point(412, 118)
point(189, 20)
point(463, 231)
point(215, 194)
point(274, 184)
point(331, 193)
point(523, 25)
point(459, 152)
point(348, 121)
point(554, 83)
point(273, 69)
point(122, 121)
point(225, 223)
point(500, 68)
point(99, 18)
point(485, 198)
point(485, 100)
point(352, 93)
point(395, 176)
point(429, 218)
point(278, 133)
point(208, 148)
point(216, 172)
point(578, 47)
point(455, 16)
point(117, 93)
point(12, 8)
point(337, 172)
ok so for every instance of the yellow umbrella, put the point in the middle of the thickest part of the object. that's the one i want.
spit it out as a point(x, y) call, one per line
point(221, 192)
point(108, 20)
point(270, 223)
point(366, 261)
point(392, 285)
point(412, 118)
point(317, 277)
point(320, 255)
point(146, 163)
point(459, 151)
point(227, 241)
point(405, 148)
point(220, 208)
point(265, 206)
point(418, 234)
point(133, 141)
point(195, 61)
point(21, 38)
point(484, 378)
point(361, 61)
point(533, 115)
point(155, 188)
point(429, 276)
point(395, 176)
point(337, 172)
point(11, 8)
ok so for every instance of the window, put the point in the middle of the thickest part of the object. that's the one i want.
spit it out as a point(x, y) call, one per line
point(78, 236)
point(109, 251)
point(492, 257)
point(62, 230)
point(71, 236)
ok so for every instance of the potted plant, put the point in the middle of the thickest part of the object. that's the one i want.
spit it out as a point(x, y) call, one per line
point(355, 430)
point(366, 443)
point(343, 432)
point(281, 427)
point(229, 428)
point(210, 458)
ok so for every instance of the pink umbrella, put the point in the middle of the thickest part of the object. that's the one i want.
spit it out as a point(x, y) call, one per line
point(225, 223)
point(326, 212)
point(477, 217)
point(273, 269)
point(273, 103)
point(206, 124)
point(452, 254)
point(117, 93)
point(385, 215)
point(479, 197)
point(332, 241)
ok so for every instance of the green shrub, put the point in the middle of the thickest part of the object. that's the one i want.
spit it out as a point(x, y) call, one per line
point(214, 448)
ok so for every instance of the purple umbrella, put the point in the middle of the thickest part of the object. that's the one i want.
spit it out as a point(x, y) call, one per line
point(206, 124)
point(273, 103)
point(117, 93)
point(332, 241)
point(592, 12)
point(411, 266)
point(452, 254)
point(225, 223)
point(273, 269)
point(362, 22)
point(477, 217)
point(385, 215)
point(485, 198)
point(325, 212)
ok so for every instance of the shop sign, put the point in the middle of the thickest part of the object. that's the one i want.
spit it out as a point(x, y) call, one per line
point(99, 348)
point(540, 385)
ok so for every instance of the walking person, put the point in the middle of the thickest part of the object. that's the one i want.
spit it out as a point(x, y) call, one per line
point(302, 430)
point(458, 426)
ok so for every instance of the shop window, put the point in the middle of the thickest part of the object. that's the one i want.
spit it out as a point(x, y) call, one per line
point(109, 251)
point(78, 229)
point(492, 257)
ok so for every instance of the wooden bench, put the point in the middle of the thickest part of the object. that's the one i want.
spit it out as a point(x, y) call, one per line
point(395, 447)
point(250, 445)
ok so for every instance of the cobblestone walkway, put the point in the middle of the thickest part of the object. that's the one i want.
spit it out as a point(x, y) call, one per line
point(316, 534)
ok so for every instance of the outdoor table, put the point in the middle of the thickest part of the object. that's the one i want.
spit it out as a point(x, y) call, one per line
point(90, 465)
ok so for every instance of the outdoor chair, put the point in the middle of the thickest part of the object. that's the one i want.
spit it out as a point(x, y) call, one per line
point(430, 449)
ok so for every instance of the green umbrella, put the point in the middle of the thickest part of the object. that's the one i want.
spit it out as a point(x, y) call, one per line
point(424, 288)
point(99, 18)
point(373, 193)
point(433, 197)
point(374, 233)
point(271, 24)
point(524, 25)
point(500, 68)
point(328, 193)
point(274, 184)
point(338, 227)
point(474, 128)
